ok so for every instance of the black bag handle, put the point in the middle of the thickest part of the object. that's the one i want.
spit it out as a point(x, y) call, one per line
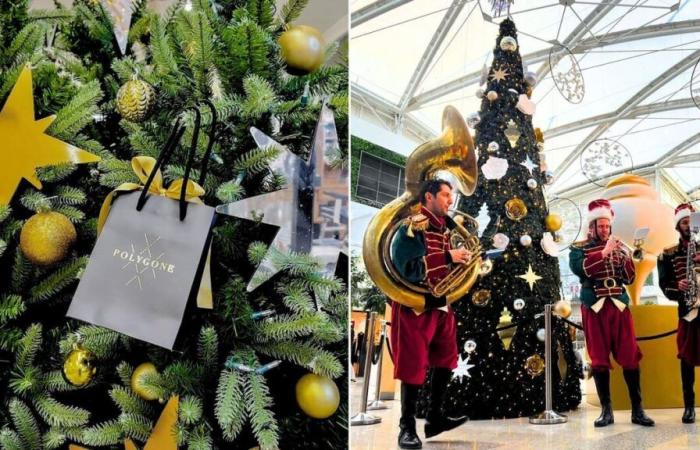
point(165, 154)
point(212, 138)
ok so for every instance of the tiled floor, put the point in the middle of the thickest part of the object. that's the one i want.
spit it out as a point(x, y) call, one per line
point(578, 433)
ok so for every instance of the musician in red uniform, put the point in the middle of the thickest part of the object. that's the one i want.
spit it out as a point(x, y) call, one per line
point(604, 267)
point(673, 279)
point(422, 254)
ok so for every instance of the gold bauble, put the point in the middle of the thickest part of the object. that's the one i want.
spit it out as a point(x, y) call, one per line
point(47, 237)
point(135, 100)
point(302, 49)
point(317, 396)
point(77, 368)
point(534, 365)
point(492, 96)
point(137, 380)
point(552, 222)
point(562, 308)
point(516, 209)
point(481, 297)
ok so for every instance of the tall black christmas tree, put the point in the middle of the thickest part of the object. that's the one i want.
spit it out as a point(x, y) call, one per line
point(500, 372)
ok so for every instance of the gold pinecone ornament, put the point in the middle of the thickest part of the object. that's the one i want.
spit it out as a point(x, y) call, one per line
point(135, 100)
point(46, 238)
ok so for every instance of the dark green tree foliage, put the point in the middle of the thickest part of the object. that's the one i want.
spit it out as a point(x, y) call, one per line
point(226, 53)
point(499, 385)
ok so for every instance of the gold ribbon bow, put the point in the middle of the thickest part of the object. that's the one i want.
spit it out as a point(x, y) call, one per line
point(143, 167)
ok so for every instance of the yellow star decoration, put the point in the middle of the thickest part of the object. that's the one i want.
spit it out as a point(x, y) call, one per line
point(162, 437)
point(530, 276)
point(499, 75)
point(25, 146)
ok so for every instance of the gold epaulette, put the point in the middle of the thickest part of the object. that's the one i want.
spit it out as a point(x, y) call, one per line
point(580, 244)
point(416, 222)
point(670, 250)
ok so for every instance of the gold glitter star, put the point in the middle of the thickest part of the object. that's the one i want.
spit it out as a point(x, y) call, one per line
point(499, 75)
point(530, 276)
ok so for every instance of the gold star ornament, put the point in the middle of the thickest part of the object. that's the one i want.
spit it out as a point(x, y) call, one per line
point(499, 75)
point(530, 276)
point(25, 145)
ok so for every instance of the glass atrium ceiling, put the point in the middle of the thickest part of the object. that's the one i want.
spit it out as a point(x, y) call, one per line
point(637, 59)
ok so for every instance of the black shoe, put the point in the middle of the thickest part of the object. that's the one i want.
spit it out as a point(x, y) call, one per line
point(688, 414)
point(606, 416)
point(640, 418)
point(408, 438)
point(435, 427)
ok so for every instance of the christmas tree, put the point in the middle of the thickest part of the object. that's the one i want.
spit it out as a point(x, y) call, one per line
point(236, 372)
point(500, 373)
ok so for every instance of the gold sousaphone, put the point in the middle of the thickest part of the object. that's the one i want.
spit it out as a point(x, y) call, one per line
point(454, 152)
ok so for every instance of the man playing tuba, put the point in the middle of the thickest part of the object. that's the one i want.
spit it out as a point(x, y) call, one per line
point(422, 254)
point(673, 280)
point(603, 265)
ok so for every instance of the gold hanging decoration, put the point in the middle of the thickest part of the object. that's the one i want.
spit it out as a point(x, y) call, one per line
point(507, 334)
point(512, 133)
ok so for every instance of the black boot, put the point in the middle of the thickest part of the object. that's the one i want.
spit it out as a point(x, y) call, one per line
point(436, 422)
point(602, 386)
point(688, 381)
point(633, 386)
point(408, 438)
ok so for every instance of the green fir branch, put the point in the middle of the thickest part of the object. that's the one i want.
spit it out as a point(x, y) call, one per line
point(103, 434)
point(259, 405)
point(29, 346)
point(50, 286)
point(57, 414)
point(230, 409)
point(292, 10)
point(26, 425)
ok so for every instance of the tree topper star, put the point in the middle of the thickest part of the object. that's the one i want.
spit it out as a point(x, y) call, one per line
point(25, 145)
point(499, 75)
point(530, 276)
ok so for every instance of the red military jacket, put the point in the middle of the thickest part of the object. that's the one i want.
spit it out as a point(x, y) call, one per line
point(437, 247)
point(601, 277)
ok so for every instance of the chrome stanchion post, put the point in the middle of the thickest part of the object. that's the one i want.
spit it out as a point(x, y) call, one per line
point(548, 416)
point(362, 418)
point(377, 403)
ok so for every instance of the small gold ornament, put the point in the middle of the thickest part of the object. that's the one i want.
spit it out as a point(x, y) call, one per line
point(506, 335)
point(317, 396)
point(516, 209)
point(539, 136)
point(529, 91)
point(302, 49)
point(534, 365)
point(142, 370)
point(481, 297)
point(492, 96)
point(77, 368)
point(530, 277)
point(512, 133)
point(562, 308)
point(135, 100)
point(47, 237)
point(499, 75)
point(552, 222)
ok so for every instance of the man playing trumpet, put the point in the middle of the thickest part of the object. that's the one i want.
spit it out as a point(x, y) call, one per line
point(673, 278)
point(422, 254)
point(604, 265)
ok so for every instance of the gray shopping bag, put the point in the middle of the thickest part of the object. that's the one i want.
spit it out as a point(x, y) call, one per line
point(148, 261)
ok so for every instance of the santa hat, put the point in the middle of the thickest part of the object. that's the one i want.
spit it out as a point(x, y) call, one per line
point(682, 211)
point(600, 209)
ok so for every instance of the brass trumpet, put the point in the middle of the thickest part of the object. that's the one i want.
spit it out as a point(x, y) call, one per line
point(453, 151)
